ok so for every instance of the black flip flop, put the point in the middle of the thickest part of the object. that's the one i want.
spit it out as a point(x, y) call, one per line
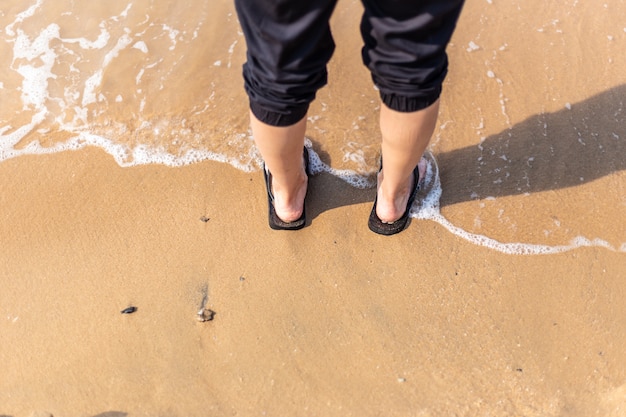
point(274, 221)
point(378, 226)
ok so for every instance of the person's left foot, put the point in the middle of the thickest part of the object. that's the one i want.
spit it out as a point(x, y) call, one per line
point(391, 209)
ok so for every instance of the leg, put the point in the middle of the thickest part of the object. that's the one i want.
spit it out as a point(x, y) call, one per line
point(405, 138)
point(289, 44)
point(405, 42)
point(281, 148)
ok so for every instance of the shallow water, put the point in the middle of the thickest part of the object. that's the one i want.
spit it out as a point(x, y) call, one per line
point(131, 77)
point(160, 82)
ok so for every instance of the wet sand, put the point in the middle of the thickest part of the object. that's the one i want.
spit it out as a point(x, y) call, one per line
point(334, 320)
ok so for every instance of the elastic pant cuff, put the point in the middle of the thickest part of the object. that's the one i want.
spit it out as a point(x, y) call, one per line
point(406, 104)
point(278, 119)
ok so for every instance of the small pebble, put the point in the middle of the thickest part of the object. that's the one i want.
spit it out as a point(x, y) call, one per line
point(205, 315)
point(129, 310)
point(401, 380)
point(204, 219)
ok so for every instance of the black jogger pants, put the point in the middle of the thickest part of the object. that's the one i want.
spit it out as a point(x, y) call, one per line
point(289, 44)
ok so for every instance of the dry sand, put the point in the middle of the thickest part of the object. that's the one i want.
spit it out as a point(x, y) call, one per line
point(334, 320)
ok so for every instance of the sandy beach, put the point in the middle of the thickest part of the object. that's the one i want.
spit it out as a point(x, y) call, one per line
point(448, 318)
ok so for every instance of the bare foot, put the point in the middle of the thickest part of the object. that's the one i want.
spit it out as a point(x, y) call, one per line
point(289, 204)
point(390, 206)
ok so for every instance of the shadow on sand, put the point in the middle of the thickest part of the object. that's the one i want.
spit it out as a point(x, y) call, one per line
point(548, 151)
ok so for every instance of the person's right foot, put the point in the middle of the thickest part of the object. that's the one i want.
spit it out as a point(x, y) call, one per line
point(288, 204)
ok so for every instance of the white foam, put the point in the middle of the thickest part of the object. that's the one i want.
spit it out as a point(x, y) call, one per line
point(173, 35)
point(122, 43)
point(35, 84)
point(139, 75)
point(7, 142)
point(472, 47)
point(354, 179)
point(22, 16)
point(35, 74)
point(99, 43)
point(125, 11)
point(141, 45)
point(89, 93)
point(93, 82)
point(123, 155)
point(231, 50)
